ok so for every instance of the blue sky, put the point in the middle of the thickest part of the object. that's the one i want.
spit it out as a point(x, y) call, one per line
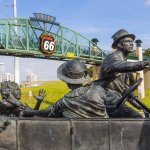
point(92, 18)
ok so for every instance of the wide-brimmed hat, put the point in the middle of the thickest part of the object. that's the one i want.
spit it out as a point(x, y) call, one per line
point(122, 33)
point(73, 72)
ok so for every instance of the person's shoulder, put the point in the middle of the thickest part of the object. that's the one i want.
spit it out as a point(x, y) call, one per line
point(78, 92)
point(97, 92)
point(97, 88)
point(109, 57)
point(114, 56)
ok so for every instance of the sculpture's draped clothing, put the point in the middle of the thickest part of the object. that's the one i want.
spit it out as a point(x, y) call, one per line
point(113, 73)
point(114, 68)
point(83, 102)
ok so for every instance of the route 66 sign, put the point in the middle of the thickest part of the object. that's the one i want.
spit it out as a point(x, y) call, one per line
point(47, 44)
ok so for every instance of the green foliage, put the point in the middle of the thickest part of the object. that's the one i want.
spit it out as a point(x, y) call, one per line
point(147, 52)
point(54, 89)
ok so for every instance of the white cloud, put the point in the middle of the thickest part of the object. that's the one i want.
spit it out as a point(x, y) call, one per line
point(147, 3)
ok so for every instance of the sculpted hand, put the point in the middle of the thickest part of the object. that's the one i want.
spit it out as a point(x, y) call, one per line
point(41, 95)
point(25, 111)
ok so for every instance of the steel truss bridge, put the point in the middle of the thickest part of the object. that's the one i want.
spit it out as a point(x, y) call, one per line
point(20, 37)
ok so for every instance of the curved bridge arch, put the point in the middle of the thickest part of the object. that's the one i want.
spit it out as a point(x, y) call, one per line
point(20, 37)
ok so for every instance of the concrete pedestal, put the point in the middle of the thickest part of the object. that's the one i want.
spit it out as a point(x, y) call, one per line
point(76, 134)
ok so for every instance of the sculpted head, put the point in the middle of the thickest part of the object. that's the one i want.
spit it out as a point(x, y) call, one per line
point(123, 40)
point(8, 87)
point(126, 44)
point(74, 73)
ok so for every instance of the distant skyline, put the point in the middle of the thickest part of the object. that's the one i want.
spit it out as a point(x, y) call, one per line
point(91, 18)
point(44, 69)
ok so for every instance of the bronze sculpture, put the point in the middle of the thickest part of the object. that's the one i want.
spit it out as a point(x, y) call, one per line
point(11, 95)
point(81, 101)
point(113, 71)
point(92, 100)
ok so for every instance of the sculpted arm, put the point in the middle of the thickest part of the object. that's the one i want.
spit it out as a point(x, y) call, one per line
point(40, 98)
point(40, 113)
point(119, 66)
point(52, 111)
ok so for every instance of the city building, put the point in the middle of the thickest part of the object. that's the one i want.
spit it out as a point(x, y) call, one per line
point(1, 71)
point(7, 77)
point(1, 67)
point(31, 77)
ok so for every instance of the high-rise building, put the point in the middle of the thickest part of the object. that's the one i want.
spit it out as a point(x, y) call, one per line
point(1, 67)
point(7, 77)
point(1, 71)
point(31, 77)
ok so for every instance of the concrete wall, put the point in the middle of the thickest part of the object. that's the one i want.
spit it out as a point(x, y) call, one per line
point(96, 72)
point(147, 78)
point(78, 134)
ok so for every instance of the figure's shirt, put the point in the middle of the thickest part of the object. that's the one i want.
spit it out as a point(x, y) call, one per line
point(84, 102)
point(114, 68)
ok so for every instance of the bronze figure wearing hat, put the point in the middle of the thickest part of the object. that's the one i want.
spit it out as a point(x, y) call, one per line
point(113, 72)
point(73, 72)
point(122, 33)
point(81, 101)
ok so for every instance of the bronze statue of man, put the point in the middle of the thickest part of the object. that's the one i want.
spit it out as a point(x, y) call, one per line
point(113, 73)
point(81, 101)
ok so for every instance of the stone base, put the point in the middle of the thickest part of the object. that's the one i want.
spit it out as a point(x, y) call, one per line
point(76, 134)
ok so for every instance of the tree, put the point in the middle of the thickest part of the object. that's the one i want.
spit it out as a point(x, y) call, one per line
point(147, 52)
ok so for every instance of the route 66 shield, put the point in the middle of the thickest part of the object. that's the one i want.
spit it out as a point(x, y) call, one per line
point(47, 44)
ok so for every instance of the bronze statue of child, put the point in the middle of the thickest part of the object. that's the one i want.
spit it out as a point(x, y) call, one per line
point(11, 95)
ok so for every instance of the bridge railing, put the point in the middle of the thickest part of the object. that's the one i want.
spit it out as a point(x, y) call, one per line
point(22, 36)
